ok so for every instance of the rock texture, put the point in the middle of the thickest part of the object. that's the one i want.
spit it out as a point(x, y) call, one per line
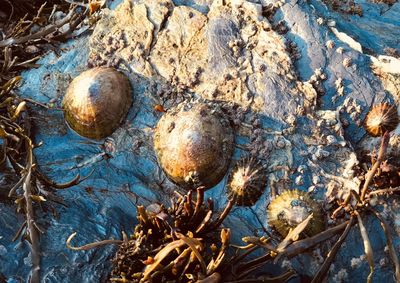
point(295, 77)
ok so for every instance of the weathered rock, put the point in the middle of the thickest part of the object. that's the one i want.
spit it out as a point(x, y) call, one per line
point(301, 86)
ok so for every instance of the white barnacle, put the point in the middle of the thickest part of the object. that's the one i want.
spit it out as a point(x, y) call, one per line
point(299, 181)
point(340, 50)
point(347, 62)
point(330, 44)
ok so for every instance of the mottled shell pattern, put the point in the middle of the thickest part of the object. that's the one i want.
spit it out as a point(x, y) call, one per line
point(291, 208)
point(194, 145)
point(97, 101)
point(246, 183)
point(382, 118)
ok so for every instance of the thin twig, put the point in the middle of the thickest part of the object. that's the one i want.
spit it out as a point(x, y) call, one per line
point(367, 246)
point(40, 34)
point(301, 246)
point(383, 191)
point(371, 173)
point(332, 254)
point(91, 245)
point(389, 240)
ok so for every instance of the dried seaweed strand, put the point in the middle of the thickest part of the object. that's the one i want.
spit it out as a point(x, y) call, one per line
point(371, 173)
point(192, 244)
point(367, 246)
point(30, 220)
point(199, 202)
point(91, 245)
point(383, 191)
point(389, 240)
point(332, 254)
point(294, 234)
point(223, 215)
point(40, 34)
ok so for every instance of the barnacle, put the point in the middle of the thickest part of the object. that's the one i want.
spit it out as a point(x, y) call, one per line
point(96, 101)
point(382, 118)
point(347, 62)
point(291, 208)
point(246, 183)
point(194, 144)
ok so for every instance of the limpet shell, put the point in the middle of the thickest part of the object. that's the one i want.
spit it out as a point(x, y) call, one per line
point(97, 101)
point(194, 145)
point(291, 208)
point(381, 118)
point(246, 183)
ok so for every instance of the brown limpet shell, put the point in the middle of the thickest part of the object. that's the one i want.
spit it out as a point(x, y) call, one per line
point(246, 183)
point(381, 118)
point(194, 145)
point(291, 208)
point(97, 101)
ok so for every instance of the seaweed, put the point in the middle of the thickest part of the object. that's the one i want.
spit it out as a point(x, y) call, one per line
point(19, 38)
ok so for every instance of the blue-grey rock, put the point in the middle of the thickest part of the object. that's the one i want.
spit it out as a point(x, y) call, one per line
point(301, 94)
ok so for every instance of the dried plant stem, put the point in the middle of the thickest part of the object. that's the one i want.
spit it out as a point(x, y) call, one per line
point(301, 246)
point(389, 239)
point(40, 34)
point(384, 191)
point(332, 254)
point(281, 278)
point(367, 246)
point(91, 245)
point(371, 173)
point(199, 202)
point(30, 220)
point(223, 215)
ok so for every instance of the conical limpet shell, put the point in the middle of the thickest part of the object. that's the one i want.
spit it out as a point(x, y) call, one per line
point(194, 145)
point(292, 207)
point(382, 118)
point(96, 101)
point(246, 183)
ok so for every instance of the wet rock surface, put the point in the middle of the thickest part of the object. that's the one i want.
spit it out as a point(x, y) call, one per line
point(295, 88)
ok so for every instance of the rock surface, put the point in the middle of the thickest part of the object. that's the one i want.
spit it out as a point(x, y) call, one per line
point(290, 75)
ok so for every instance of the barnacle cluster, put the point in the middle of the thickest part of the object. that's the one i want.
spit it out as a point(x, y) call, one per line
point(380, 179)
